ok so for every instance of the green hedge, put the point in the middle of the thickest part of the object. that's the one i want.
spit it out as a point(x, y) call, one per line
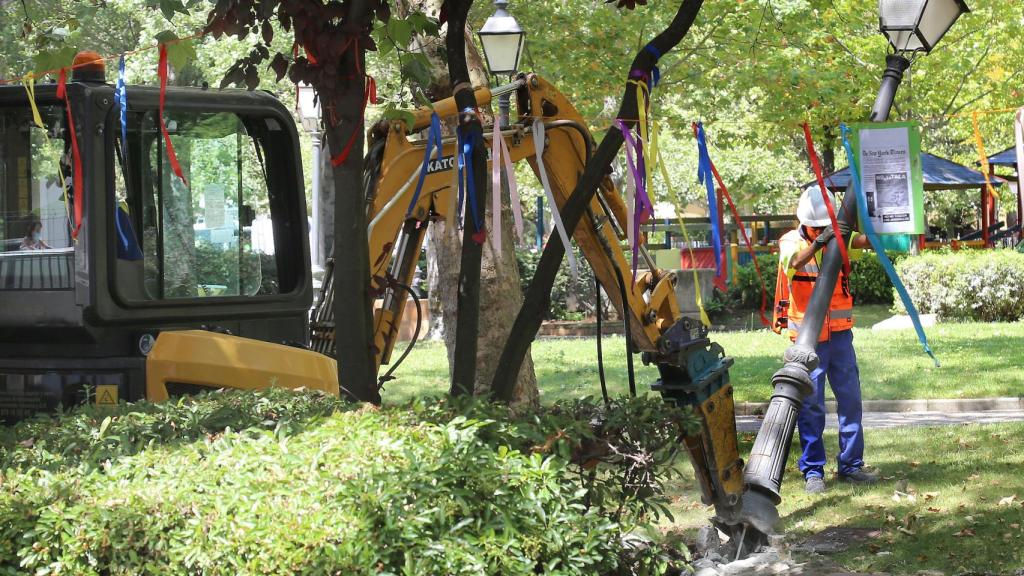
point(966, 285)
point(868, 283)
point(297, 483)
point(583, 288)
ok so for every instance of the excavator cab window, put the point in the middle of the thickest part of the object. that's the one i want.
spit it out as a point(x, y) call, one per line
point(212, 237)
point(35, 231)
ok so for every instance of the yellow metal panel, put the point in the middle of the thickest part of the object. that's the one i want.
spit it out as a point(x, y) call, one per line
point(220, 361)
point(106, 395)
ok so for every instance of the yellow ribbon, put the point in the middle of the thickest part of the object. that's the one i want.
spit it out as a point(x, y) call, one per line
point(30, 87)
point(677, 200)
point(983, 157)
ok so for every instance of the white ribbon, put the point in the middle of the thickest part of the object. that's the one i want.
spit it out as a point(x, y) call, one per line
point(501, 156)
point(1018, 128)
point(538, 146)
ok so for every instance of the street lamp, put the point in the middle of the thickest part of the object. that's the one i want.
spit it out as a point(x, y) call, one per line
point(503, 40)
point(910, 26)
point(918, 25)
point(309, 113)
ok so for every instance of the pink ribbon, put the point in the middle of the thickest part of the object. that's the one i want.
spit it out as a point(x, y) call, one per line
point(501, 156)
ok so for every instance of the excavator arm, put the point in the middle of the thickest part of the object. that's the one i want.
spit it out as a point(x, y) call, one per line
point(694, 370)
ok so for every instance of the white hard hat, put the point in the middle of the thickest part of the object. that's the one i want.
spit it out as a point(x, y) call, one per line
point(812, 210)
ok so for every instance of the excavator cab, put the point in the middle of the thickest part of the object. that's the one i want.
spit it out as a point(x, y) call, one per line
point(88, 298)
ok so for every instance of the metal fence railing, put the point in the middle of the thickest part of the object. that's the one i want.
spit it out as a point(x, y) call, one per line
point(37, 269)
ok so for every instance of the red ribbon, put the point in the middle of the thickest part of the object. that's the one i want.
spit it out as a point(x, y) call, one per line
point(746, 239)
point(76, 157)
point(369, 95)
point(171, 156)
point(828, 203)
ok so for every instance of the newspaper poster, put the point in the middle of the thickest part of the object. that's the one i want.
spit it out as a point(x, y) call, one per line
point(889, 156)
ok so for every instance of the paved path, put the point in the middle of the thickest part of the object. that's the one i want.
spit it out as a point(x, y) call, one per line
point(894, 419)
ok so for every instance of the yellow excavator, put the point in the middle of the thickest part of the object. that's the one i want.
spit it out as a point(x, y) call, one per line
point(172, 285)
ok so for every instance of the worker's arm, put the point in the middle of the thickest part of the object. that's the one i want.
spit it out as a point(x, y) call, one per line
point(803, 256)
point(857, 242)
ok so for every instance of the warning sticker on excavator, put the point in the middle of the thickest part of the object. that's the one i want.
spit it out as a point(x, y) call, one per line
point(106, 395)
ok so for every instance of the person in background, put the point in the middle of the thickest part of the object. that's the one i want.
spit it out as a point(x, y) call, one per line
point(34, 239)
point(799, 260)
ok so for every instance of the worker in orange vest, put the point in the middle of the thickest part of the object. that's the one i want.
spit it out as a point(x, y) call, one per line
point(799, 260)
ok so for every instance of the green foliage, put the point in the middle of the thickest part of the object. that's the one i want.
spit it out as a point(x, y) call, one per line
point(869, 283)
point(746, 292)
point(966, 285)
point(564, 287)
point(292, 482)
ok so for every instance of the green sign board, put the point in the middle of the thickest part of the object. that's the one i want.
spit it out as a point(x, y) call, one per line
point(889, 158)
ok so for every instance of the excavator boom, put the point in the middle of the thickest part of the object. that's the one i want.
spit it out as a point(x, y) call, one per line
point(694, 371)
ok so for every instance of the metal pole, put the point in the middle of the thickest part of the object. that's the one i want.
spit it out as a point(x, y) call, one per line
point(792, 383)
point(316, 247)
point(895, 66)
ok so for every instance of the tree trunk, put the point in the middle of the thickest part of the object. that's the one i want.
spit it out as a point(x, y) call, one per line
point(500, 294)
point(353, 304)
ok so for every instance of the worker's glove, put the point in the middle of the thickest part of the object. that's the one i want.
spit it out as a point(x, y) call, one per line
point(823, 239)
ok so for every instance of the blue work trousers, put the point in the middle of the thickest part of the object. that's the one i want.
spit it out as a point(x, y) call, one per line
point(838, 362)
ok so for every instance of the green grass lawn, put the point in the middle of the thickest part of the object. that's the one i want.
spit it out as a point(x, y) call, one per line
point(978, 360)
point(960, 505)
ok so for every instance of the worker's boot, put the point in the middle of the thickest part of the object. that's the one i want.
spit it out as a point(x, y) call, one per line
point(814, 485)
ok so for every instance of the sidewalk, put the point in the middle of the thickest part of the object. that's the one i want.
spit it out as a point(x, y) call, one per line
point(750, 423)
point(933, 405)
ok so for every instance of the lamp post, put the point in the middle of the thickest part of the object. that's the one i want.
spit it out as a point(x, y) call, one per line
point(502, 39)
point(309, 113)
point(911, 26)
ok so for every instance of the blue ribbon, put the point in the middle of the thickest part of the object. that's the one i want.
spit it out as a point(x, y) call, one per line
point(706, 177)
point(433, 143)
point(467, 143)
point(655, 73)
point(121, 97)
point(876, 244)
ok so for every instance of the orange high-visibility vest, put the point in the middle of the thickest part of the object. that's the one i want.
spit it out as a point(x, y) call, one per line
point(793, 294)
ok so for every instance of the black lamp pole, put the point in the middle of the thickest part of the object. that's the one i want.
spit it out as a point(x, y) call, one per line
point(792, 383)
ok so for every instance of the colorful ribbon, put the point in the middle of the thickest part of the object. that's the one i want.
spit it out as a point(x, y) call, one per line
point(656, 153)
point(706, 177)
point(1018, 130)
point(746, 240)
point(29, 82)
point(538, 148)
point(469, 142)
point(433, 145)
point(171, 156)
point(876, 244)
point(990, 191)
point(78, 180)
point(638, 203)
point(369, 95)
point(500, 157)
point(121, 97)
point(813, 155)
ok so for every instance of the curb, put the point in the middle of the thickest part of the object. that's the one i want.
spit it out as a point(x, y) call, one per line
point(933, 405)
